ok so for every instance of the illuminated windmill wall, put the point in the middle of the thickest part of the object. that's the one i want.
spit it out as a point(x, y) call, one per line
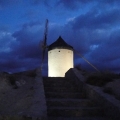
point(60, 58)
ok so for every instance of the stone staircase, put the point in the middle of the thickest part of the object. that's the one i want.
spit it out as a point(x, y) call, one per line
point(66, 101)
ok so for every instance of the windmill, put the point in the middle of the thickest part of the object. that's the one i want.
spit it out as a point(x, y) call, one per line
point(44, 42)
point(60, 56)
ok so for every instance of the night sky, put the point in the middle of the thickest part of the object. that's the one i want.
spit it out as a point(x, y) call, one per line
point(92, 27)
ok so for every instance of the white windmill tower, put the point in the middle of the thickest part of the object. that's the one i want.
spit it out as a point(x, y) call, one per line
point(60, 58)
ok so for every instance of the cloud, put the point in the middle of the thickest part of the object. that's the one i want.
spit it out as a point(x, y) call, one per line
point(25, 54)
point(96, 20)
point(74, 5)
point(105, 56)
point(6, 40)
point(108, 50)
point(94, 33)
point(28, 38)
point(20, 50)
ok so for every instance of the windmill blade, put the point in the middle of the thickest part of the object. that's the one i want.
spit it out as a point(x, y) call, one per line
point(43, 55)
point(45, 33)
point(86, 60)
point(44, 42)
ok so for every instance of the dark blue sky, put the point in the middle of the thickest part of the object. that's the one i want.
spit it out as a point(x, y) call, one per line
point(92, 27)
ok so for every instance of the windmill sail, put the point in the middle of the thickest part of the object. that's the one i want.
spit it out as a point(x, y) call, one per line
point(44, 44)
point(86, 60)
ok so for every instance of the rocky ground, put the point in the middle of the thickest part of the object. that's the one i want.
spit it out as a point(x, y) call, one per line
point(16, 92)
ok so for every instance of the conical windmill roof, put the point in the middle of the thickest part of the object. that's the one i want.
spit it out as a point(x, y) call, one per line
point(59, 43)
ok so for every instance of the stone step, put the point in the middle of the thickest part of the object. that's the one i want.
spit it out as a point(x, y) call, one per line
point(54, 78)
point(70, 103)
point(58, 84)
point(65, 84)
point(57, 80)
point(75, 111)
point(78, 118)
point(64, 95)
point(62, 89)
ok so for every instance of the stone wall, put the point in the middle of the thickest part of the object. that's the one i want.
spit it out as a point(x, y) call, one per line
point(38, 109)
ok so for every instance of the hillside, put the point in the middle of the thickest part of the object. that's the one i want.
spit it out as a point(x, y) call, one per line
point(16, 92)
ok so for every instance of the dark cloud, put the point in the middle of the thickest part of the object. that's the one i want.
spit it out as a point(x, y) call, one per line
point(73, 4)
point(77, 4)
point(14, 64)
point(25, 52)
point(21, 50)
point(28, 38)
point(60, 4)
point(97, 20)
point(106, 56)
point(108, 50)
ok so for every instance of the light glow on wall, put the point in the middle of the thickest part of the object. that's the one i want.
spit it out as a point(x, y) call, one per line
point(59, 62)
